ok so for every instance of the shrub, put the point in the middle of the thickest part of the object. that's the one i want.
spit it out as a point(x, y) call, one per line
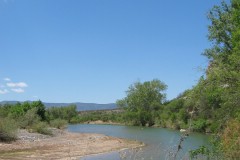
point(42, 128)
point(132, 118)
point(230, 140)
point(58, 123)
point(105, 118)
point(199, 125)
point(183, 125)
point(215, 126)
point(75, 120)
point(8, 129)
point(66, 113)
point(30, 118)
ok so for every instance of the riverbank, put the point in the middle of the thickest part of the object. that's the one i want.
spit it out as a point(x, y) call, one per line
point(62, 145)
point(102, 122)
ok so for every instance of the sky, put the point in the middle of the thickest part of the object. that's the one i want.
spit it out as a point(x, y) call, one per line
point(93, 50)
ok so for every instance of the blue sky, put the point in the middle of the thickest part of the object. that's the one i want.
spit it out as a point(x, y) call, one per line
point(92, 50)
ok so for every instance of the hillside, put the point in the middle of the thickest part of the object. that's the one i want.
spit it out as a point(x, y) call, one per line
point(80, 106)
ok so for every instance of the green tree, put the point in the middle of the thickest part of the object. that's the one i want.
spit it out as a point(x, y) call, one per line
point(215, 96)
point(16, 110)
point(70, 112)
point(142, 99)
point(40, 109)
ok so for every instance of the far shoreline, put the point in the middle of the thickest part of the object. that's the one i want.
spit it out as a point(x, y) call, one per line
point(100, 122)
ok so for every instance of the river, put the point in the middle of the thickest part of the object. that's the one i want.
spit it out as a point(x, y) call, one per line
point(161, 143)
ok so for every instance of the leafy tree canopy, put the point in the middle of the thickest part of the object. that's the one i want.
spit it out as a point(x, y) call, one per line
point(142, 99)
point(144, 96)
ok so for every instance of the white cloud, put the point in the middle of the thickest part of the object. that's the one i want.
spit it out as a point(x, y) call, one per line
point(12, 86)
point(7, 79)
point(4, 91)
point(18, 90)
point(20, 84)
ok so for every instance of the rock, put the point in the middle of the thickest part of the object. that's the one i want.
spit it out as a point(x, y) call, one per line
point(183, 130)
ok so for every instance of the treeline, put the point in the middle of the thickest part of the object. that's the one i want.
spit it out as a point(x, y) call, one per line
point(34, 117)
point(145, 105)
point(107, 116)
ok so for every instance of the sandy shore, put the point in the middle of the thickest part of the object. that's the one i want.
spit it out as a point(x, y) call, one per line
point(63, 145)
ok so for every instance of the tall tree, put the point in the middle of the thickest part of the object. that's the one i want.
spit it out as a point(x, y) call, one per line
point(40, 109)
point(142, 99)
point(216, 96)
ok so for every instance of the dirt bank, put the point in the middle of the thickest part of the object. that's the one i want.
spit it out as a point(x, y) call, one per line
point(63, 145)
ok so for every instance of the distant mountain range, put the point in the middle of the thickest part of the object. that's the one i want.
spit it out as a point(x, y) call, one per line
point(80, 106)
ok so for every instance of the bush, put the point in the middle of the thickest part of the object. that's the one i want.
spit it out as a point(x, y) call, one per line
point(201, 151)
point(58, 123)
point(67, 113)
point(131, 118)
point(75, 120)
point(8, 129)
point(42, 128)
point(230, 140)
point(30, 118)
point(199, 125)
point(215, 126)
point(183, 125)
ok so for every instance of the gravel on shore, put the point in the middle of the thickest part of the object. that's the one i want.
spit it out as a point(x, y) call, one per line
point(61, 145)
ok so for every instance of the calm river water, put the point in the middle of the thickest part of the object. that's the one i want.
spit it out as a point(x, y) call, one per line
point(161, 143)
